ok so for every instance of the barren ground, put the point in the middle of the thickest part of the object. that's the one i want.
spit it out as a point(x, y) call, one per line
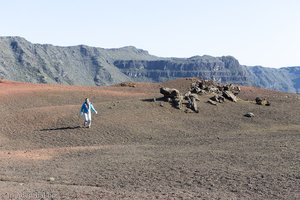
point(137, 149)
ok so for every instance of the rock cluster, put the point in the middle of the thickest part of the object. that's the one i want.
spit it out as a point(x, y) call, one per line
point(200, 87)
point(208, 86)
point(221, 92)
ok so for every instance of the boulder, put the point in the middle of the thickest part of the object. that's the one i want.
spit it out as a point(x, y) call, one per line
point(258, 100)
point(192, 98)
point(218, 98)
point(169, 92)
point(212, 89)
point(196, 90)
point(230, 96)
point(261, 101)
point(212, 102)
point(173, 96)
point(177, 102)
point(232, 88)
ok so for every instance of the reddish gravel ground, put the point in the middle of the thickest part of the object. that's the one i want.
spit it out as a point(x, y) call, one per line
point(138, 149)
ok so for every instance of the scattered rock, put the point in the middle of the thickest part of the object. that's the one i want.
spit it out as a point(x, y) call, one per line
point(229, 95)
point(192, 104)
point(205, 86)
point(234, 89)
point(218, 98)
point(177, 102)
point(173, 96)
point(212, 102)
point(208, 86)
point(127, 84)
point(169, 92)
point(51, 179)
point(249, 114)
point(262, 101)
point(188, 111)
point(258, 100)
point(221, 92)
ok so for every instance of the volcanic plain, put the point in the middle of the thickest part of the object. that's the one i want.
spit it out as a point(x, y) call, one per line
point(140, 147)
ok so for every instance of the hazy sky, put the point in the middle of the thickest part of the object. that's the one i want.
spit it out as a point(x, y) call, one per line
point(256, 32)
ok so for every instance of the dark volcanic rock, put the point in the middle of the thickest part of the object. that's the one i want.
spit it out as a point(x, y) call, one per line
point(261, 101)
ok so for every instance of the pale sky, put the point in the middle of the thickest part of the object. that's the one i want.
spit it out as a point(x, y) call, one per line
point(256, 32)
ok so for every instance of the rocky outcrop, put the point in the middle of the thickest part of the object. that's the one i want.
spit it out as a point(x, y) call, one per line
point(173, 96)
point(200, 87)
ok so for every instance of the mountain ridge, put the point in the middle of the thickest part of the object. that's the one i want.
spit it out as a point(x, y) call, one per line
point(21, 60)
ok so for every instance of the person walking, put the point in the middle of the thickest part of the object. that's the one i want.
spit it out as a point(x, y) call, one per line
point(86, 110)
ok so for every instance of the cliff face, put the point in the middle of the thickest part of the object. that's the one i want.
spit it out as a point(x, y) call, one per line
point(224, 69)
point(21, 60)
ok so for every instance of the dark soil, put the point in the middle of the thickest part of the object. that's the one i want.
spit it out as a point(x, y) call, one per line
point(138, 149)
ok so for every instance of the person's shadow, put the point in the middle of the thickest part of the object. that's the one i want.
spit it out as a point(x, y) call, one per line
point(60, 128)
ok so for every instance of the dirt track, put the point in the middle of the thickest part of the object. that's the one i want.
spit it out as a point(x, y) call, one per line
point(137, 149)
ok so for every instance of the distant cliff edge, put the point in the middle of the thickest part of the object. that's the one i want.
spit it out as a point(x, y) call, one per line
point(21, 60)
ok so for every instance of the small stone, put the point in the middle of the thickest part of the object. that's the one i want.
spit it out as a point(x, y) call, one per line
point(51, 179)
point(188, 111)
point(249, 114)
point(161, 104)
